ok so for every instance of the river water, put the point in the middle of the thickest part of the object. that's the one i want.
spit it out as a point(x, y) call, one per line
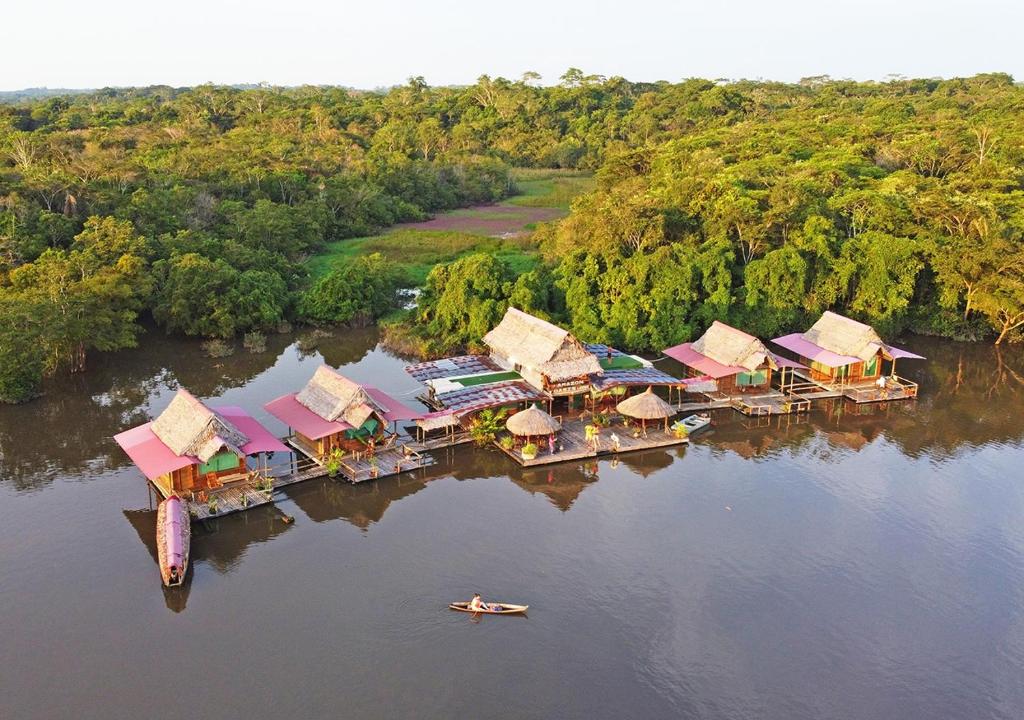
point(860, 563)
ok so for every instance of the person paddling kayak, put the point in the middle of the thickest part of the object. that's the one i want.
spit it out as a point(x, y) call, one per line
point(477, 604)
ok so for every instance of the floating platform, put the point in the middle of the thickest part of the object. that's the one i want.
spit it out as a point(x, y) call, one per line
point(573, 444)
point(247, 494)
point(858, 391)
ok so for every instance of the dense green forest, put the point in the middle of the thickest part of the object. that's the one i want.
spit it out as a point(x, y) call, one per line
point(201, 210)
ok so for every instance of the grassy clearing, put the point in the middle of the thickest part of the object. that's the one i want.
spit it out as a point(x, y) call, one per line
point(549, 188)
point(461, 232)
point(417, 251)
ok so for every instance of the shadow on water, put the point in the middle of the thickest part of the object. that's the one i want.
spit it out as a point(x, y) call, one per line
point(220, 543)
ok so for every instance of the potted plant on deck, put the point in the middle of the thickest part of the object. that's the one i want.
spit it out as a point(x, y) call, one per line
point(211, 504)
point(333, 462)
point(529, 451)
point(507, 442)
point(374, 467)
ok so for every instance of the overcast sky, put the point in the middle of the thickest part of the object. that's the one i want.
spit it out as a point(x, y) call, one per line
point(375, 43)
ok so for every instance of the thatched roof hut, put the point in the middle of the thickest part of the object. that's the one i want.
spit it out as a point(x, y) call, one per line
point(532, 422)
point(187, 427)
point(333, 396)
point(845, 336)
point(522, 340)
point(730, 346)
point(646, 406)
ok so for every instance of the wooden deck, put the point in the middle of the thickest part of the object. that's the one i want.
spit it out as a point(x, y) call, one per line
point(393, 461)
point(774, 402)
point(247, 494)
point(439, 443)
point(858, 391)
point(572, 444)
point(707, 404)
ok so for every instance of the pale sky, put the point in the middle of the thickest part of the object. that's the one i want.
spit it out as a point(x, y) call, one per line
point(376, 43)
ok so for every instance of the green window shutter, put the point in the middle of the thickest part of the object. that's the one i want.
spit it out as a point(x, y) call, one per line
point(225, 460)
point(871, 367)
point(755, 378)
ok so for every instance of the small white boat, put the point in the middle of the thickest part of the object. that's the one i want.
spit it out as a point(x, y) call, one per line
point(694, 423)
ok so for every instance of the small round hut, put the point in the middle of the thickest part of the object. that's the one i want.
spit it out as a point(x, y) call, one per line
point(646, 406)
point(532, 422)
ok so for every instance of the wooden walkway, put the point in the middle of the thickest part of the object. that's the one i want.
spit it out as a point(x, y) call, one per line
point(774, 402)
point(440, 443)
point(247, 494)
point(572, 444)
point(383, 463)
point(691, 407)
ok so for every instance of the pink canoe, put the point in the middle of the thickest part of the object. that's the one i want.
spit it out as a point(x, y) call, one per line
point(173, 533)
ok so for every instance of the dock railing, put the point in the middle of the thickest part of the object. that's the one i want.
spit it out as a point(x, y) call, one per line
point(896, 388)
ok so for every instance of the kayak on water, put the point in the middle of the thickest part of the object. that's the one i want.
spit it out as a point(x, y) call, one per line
point(492, 608)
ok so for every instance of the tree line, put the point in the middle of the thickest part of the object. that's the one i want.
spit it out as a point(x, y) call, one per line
point(756, 202)
point(900, 204)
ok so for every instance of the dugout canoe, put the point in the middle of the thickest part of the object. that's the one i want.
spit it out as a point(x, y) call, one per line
point(173, 537)
point(506, 608)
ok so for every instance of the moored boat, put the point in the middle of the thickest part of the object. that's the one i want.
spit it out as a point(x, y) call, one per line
point(506, 608)
point(695, 423)
point(173, 536)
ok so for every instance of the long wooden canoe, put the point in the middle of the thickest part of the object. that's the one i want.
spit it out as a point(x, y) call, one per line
point(173, 537)
point(506, 608)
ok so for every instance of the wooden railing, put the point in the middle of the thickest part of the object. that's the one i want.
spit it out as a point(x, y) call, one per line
point(896, 388)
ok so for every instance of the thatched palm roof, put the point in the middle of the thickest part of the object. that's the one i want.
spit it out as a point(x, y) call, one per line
point(844, 336)
point(646, 406)
point(538, 345)
point(188, 427)
point(333, 396)
point(532, 421)
point(729, 346)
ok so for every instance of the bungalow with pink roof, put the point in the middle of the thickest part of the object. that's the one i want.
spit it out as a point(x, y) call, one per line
point(191, 448)
point(840, 350)
point(733, 360)
point(333, 412)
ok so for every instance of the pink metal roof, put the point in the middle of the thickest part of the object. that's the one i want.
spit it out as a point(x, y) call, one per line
point(786, 362)
point(795, 342)
point(149, 453)
point(300, 418)
point(691, 358)
point(804, 348)
point(260, 439)
point(901, 353)
point(303, 420)
point(393, 409)
point(154, 458)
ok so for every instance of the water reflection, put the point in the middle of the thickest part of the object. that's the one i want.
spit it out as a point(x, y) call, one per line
point(859, 548)
point(561, 485)
point(362, 504)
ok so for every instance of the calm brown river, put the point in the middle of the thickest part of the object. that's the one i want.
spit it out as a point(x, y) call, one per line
point(860, 563)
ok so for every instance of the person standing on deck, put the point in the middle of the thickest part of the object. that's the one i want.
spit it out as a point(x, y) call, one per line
point(551, 444)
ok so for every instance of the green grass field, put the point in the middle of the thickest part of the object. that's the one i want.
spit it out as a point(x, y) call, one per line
point(418, 249)
point(549, 188)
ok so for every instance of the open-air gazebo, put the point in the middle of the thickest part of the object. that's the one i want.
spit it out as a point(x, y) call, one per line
point(532, 422)
point(646, 406)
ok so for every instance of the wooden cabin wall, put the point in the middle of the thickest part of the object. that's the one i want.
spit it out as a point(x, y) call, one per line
point(854, 371)
point(313, 447)
point(730, 385)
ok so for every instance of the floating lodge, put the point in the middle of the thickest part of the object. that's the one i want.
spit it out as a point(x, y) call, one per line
point(559, 399)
